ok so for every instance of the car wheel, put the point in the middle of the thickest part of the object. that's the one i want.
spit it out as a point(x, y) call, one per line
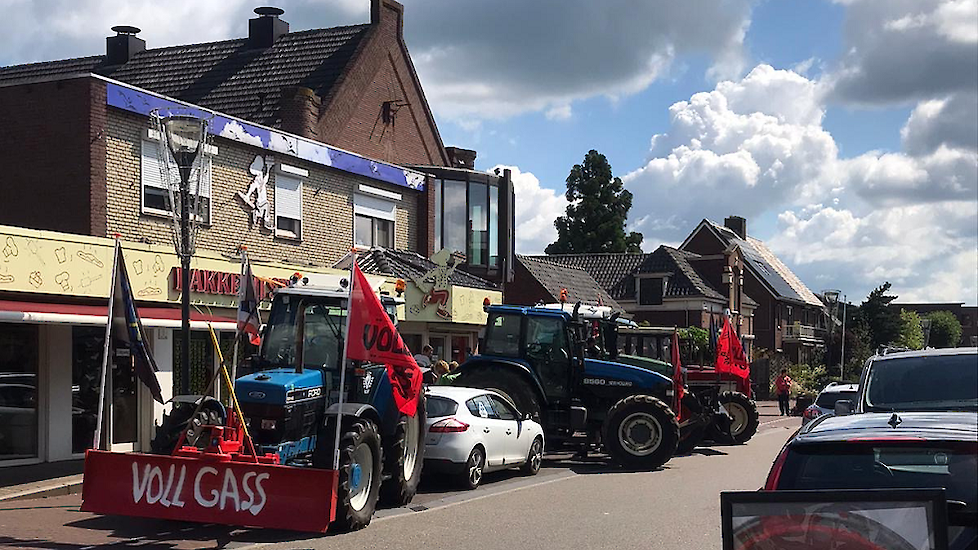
point(534, 459)
point(474, 466)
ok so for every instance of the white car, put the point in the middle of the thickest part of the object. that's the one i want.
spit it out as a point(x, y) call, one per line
point(825, 402)
point(472, 431)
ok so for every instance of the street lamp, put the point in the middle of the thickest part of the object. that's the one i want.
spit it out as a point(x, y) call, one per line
point(184, 137)
point(832, 298)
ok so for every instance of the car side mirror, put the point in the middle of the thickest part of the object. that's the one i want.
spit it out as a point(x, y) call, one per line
point(527, 416)
point(843, 407)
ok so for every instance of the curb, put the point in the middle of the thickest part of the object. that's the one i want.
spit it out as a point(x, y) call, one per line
point(53, 488)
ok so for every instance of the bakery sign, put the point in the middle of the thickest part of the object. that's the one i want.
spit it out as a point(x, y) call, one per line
point(221, 283)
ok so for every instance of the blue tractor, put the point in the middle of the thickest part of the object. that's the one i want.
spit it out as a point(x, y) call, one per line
point(539, 358)
point(290, 403)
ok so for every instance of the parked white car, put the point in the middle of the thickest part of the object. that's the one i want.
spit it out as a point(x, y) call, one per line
point(471, 432)
point(825, 402)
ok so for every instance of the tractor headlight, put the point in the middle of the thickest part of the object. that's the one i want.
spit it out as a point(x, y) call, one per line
point(267, 424)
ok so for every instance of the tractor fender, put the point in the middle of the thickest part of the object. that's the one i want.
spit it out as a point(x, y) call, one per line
point(478, 363)
point(358, 410)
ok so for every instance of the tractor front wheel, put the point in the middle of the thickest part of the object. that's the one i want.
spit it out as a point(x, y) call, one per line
point(744, 418)
point(641, 432)
point(360, 472)
point(404, 457)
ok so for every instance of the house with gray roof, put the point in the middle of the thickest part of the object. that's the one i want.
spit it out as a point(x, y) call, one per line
point(790, 319)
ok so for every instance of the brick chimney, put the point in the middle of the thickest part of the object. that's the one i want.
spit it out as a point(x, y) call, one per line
point(461, 158)
point(120, 48)
point(738, 225)
point(299, 111)
point(265, 29)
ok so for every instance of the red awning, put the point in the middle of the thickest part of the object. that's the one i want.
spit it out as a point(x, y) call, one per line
point(76, 314)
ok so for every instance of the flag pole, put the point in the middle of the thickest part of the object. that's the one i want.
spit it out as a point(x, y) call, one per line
point(346, 344)
point(106, 348)
point(237, 326)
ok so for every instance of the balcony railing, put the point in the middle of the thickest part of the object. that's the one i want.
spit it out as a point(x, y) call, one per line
point(798, 332)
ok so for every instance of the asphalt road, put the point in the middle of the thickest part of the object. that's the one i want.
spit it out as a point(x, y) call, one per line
point(569, 504)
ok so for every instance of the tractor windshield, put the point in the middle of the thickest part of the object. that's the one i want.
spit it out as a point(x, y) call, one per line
point(503, 335)
point(323, 324)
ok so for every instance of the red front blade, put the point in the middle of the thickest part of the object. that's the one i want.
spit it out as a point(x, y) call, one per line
point(209, 491)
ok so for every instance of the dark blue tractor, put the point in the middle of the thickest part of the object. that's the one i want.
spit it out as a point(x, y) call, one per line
point(290, 400)
point(538, 358)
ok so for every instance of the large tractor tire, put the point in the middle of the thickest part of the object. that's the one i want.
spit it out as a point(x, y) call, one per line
point(403, 458)
point(361, 458)
point(211, 413)
point(641, 432)
point(508, 384)
point(744, 418)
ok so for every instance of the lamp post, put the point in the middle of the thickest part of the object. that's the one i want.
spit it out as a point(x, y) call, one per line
point(842, 354)
point(832, 298)
point(184, 137)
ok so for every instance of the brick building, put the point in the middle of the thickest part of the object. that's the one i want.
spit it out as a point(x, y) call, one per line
point(331, 126)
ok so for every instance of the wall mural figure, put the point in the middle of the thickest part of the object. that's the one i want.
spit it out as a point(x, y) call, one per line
point(261, 169)
point(435, 282)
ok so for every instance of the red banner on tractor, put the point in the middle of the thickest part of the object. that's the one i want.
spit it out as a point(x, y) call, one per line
point(207, 489)
point(730, 354)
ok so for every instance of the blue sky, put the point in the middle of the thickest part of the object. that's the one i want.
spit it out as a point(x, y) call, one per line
point(846, 131)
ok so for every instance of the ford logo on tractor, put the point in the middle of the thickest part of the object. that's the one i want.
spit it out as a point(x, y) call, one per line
point(256, 394)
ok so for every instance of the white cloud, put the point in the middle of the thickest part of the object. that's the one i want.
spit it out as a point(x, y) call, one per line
point(756, 147)
point(536, 209)
point(949, 121)
point(559, 112)
point(506, 57)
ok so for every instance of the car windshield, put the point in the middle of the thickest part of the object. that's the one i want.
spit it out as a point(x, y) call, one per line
point(941, 382)
point(440, 406)
point(827, 400)
point(322, 343)
point(953, 466)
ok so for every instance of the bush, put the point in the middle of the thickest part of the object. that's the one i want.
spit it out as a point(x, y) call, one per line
point(945, 329)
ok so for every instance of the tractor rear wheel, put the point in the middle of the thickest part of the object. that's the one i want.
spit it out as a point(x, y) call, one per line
point(508, 384)
point(403, 459)
point(641, 432)
point(743, 414)
point(360, 472)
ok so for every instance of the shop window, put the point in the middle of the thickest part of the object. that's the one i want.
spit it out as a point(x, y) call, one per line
point(650, 291)
point(155, 195)
point(288, 206)
point(86, 368)
point(18, 391)
point(373, 221)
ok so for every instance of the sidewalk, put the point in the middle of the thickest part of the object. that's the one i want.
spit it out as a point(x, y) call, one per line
point(41, 480)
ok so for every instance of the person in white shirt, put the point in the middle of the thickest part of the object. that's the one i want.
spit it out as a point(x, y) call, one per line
point(423, 359)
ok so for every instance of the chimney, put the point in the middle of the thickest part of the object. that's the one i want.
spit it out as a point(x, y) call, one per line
point(738, 225)
point(265, 29)
point(461, 158)
point(120, 48)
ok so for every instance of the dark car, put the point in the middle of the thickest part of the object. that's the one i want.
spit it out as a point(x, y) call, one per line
point(906, 450)
point(925, 380)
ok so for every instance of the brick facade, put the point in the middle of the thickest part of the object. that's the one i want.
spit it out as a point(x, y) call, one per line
point(327, 208)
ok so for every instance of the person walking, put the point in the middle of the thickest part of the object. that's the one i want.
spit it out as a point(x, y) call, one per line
point(783, 386)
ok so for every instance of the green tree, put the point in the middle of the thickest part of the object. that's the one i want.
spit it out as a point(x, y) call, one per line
point(911, 333)
point(858, 347)
point(882, 320)
point(595, 217)
point(945, 329)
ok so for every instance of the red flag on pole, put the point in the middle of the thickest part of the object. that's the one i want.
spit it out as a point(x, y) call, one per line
point(677, 377)
point(730, 354)
point(249, 321)
point(373, 337)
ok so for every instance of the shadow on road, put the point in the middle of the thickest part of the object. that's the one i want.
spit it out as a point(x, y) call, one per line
point(157, 534)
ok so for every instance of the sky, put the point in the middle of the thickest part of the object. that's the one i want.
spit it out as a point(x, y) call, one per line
point(845, 131)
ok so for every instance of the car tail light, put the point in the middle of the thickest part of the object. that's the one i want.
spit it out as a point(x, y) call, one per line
point(449, 425)
point(812, 413)
point(775, 475)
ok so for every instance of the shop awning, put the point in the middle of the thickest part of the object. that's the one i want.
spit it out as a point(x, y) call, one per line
point(75, 314)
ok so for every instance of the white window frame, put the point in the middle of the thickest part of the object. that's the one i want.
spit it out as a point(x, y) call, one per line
point(149, 166)
point(283, 175)
point(376, 208)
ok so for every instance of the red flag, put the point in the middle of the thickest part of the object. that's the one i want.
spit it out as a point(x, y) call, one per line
point(730, 354)
point(373, 337)
point(677, 377)
point(249, 320)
